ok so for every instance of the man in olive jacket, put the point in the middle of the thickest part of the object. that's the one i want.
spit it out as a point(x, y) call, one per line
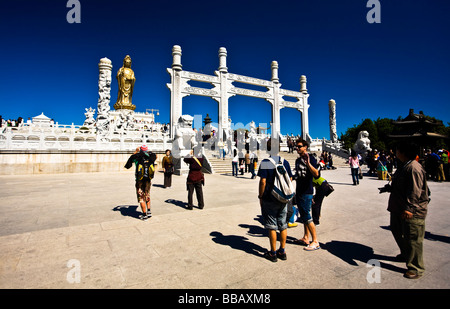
point(408, 205)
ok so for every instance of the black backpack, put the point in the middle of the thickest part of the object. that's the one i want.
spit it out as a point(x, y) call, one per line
point(145, 166)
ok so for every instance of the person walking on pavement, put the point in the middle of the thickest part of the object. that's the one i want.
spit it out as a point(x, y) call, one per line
point(195, 179)
point(247, 161)
point(305, 170)
point(235, 163)
point(145, 170)
point(253, 162)
point(273, 211)
point(354, 167)
point(408, 204)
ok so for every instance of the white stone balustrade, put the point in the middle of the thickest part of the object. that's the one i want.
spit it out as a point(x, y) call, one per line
point(76, 137)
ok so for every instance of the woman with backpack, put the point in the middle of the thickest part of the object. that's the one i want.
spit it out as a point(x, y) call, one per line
point(145, 170)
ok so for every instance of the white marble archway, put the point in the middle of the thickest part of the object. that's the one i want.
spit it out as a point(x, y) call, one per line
point(223, 89)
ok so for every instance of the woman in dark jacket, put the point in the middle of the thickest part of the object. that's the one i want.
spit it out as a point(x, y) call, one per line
point(195, 179)
point(167, 164)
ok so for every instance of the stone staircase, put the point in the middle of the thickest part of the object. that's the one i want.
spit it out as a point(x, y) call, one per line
point(221, 166)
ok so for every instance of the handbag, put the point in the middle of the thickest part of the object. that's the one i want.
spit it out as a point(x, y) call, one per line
point(328, 189)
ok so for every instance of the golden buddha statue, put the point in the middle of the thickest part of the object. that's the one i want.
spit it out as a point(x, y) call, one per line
point(125, 79)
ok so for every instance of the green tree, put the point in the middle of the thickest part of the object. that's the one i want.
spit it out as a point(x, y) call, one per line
point(385, 127)
point(380, 130)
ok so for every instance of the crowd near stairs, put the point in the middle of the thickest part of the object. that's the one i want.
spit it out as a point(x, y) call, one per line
point(223, 166)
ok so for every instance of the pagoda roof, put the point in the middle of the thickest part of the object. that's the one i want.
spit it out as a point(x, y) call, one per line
point(414, 118)
point(41, 117)
point(418, 134)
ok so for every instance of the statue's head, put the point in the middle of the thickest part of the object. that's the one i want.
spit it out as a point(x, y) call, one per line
point(185, 121)
point(363, 134)
point(127, 61)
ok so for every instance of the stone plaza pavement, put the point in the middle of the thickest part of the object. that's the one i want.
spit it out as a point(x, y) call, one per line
point(56, 229)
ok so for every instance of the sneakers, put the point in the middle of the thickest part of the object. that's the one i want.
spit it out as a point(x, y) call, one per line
point(146, 216)
point(274, 257)
point(271, 257)
point(281, 256)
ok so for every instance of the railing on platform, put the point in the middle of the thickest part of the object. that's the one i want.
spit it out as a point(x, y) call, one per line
point(76, 137)
point(336, 148)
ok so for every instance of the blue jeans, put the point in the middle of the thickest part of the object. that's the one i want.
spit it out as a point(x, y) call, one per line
point(234, 165)
point(304, 202)
point(355, 175)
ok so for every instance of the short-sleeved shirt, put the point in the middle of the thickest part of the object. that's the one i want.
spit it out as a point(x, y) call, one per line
point(304, 177)
point(267, 170)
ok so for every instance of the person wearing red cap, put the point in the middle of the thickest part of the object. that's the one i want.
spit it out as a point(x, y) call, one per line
point(145, 170)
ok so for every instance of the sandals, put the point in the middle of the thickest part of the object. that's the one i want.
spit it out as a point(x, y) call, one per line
point(309, 246)
point(312, 247)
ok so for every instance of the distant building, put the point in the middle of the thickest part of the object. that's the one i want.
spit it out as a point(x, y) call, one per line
point(42, 120)
point(419, 128)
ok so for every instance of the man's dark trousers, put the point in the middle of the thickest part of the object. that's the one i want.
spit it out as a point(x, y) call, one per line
point(198, 191)
point(409, 235)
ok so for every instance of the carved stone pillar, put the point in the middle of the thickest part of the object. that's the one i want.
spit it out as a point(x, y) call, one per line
point(176, 106)
point(223, 101)
point(303, 84)
point(274, 67)
point(104, 96)
point(275, 127)
point(332, 111)
point(305, 117)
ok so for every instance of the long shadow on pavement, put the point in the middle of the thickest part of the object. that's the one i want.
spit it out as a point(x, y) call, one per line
point(351, 252)
point(177, 203)
point(128, 210)
point(238, 243)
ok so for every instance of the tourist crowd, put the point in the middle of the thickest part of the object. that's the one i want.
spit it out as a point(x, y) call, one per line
point(434, 162)
point(283, 208)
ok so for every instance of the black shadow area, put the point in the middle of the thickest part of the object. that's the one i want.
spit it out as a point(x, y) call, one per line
point(128, 210)
point(177, 203)
point(351, 252)
point(237, 243)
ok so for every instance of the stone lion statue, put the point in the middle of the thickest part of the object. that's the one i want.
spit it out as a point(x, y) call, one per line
point(184, 135)
point(362, 145)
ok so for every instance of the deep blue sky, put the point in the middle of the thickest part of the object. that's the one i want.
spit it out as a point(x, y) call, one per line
point(371, 70)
